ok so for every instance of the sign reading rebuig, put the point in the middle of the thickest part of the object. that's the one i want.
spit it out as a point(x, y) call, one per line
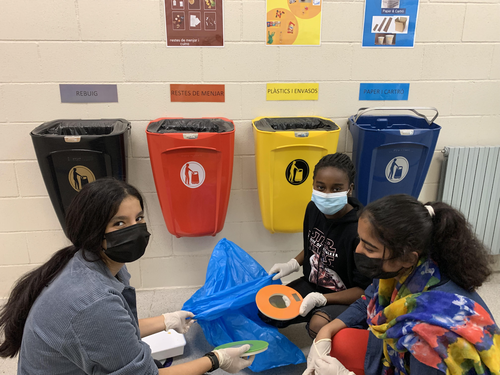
point(197, 93)
point(194, 23)
point(88, 93)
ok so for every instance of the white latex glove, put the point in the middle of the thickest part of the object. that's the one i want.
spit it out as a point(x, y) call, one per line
point(330, 366)
point(311, 301)
point(178, 322)
point(284, 269)
point(318, 349)
point(230, 359)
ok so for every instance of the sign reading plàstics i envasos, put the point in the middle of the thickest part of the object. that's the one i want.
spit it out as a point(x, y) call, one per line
point(194, 23)
point(292, 91)
point(197, 93)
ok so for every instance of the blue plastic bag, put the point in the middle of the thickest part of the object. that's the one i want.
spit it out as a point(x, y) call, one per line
point(226, 311)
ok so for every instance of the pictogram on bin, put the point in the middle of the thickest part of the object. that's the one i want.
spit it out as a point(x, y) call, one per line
point(73, 153)
point(192, 162)
point(392, 154)
point(286, 151)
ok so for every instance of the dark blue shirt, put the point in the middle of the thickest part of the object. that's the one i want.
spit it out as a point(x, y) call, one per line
point(85, 322)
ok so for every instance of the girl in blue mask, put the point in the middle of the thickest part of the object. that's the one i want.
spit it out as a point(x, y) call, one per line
point(330, 280)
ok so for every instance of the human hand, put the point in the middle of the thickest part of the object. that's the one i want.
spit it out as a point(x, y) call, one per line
point(330, 366)
point(178, 321)
point(319, 349)
point(284, 269)
point(230, 359)
point(311, 301)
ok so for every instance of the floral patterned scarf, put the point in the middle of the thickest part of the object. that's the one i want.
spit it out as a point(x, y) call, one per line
point(446, 331)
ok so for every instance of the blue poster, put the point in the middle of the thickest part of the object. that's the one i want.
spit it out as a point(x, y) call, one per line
point(384, 91)
point(390, 23)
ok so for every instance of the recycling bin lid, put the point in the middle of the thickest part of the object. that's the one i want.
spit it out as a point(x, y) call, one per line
point(82, 127)
point(273, 124)
point(394, 122)
point(187, 125)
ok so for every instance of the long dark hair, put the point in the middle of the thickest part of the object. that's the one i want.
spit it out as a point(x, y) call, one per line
point(403, 225)
point(86, 221)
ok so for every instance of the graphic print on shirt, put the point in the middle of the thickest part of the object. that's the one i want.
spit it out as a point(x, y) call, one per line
point(322, 261)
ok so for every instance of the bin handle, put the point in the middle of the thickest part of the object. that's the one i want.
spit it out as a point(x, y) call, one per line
point(415, 110)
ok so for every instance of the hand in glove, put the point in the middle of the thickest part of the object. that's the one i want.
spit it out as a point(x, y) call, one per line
point(230, 359)
point(284, 269)
point(311, 301)
point(330, 366)
point(318, 349)
point(177, 321)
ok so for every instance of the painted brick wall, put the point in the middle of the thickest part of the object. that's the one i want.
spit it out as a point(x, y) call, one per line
point(455, 66)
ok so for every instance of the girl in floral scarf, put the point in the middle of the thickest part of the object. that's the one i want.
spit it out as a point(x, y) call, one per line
point(422, 311)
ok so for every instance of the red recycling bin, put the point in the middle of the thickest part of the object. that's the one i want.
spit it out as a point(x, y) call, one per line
point(192, 162)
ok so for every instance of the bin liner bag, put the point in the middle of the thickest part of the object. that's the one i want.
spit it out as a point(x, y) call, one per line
point(198, 125)
point(226, 310)
point(82, 127)
point(294, 123)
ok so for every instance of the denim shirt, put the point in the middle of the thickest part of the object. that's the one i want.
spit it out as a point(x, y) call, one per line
point(355, 317)
point(85, 322)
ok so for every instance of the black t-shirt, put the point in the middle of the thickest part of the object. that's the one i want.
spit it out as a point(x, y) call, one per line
point(329, 246)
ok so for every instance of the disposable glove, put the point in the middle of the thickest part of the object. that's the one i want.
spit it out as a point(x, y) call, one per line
point(230, 359)
point(330, 366)
point(311, 301)
point(284, 269)
point(177, 321)
point(318, 349)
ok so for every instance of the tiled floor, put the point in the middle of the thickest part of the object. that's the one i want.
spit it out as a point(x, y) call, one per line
point(155, 302)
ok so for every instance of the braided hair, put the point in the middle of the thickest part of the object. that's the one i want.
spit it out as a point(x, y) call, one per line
point(338, 160)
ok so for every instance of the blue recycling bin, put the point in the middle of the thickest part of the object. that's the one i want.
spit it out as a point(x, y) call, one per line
point(391, 153)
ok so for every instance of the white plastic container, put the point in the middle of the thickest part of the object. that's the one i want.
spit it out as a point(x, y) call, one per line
point(165, 344)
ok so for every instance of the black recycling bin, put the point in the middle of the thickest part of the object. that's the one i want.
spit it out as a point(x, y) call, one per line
point(73, 153)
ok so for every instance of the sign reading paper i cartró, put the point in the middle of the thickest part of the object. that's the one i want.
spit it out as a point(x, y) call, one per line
point(390, 23)
point(194, 23)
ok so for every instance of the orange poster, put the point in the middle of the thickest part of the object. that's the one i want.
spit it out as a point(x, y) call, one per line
point(293, 22)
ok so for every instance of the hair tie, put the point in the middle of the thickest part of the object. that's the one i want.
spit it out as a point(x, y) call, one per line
point(431, 210)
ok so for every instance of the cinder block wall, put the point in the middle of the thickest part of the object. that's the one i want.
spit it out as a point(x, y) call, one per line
point(455, 67)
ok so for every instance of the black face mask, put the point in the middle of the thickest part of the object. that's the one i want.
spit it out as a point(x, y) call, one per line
point(372, 267)
point(127, 244)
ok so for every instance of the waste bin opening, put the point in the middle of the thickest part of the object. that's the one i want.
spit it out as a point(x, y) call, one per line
point(198, 125)
point(81, 127)
point(295, 123)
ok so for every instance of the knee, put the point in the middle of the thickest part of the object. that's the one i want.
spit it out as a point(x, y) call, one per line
point(318, 321)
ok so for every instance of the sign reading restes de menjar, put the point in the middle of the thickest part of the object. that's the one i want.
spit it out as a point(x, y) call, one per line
point(197, 93)
point(292, 91)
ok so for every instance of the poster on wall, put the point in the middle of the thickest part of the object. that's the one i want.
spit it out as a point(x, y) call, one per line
point(194, 23)
point(293, 22)
point(390, 23)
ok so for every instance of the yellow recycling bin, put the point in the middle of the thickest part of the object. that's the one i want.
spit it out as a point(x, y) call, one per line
point(286, 151)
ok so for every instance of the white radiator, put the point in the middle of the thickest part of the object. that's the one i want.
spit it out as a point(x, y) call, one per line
point(470, 182)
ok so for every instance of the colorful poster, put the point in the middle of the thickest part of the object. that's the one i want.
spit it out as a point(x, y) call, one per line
point(390, 23)
point(293, 22)
point(194, 23)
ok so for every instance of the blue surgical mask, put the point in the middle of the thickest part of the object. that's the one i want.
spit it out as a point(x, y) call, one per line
point(331, 203)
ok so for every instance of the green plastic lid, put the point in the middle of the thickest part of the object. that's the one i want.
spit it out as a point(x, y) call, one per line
point(256, 346)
